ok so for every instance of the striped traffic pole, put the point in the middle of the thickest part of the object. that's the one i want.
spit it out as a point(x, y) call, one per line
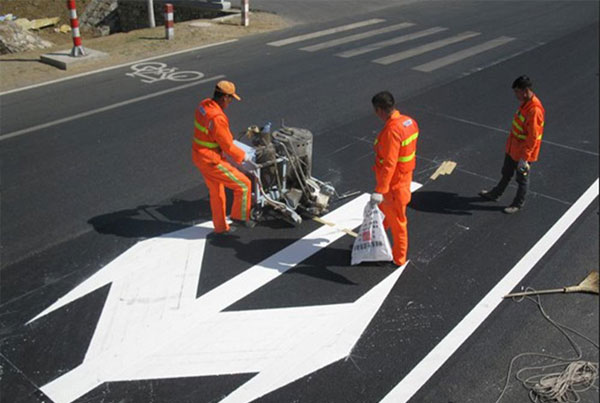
point(169, 27)
point(245, 12)
point(77, 50)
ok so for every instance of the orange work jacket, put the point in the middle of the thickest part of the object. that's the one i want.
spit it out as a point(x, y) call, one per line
point(395, 152)
point(212, 136)
point(526, 132)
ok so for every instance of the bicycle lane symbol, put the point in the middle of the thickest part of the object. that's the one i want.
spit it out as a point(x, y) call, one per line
point(151, 72)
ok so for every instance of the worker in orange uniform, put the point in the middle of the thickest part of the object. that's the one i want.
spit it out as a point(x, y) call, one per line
point(522, 145)
point(395, 158)
point(212, 140)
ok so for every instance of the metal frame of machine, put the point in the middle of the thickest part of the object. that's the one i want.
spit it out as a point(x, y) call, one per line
point(280, 169)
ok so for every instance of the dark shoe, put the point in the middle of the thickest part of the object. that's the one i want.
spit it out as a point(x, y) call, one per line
point(240, 223)
point(222, 234)
point(488, 195)
point(511, 209)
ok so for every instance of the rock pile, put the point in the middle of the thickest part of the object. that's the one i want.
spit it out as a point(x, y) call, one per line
point(101, 17)
point(15, 39)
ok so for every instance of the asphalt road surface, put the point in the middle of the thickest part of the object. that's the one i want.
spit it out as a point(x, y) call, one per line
point(111, 291)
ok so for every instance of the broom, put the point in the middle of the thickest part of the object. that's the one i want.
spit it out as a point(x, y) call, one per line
point(589, 284)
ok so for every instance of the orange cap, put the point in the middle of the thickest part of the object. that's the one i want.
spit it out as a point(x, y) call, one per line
point(227, 87)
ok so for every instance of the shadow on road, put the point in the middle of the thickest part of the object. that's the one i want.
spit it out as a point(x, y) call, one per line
point(450, 203)
point(315, 266)
point(147, 221)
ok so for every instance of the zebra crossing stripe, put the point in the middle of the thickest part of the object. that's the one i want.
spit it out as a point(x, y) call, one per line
point(463, 54)
point(325, 32)
point(396, 57)
point(356, 37)
point(389, 42)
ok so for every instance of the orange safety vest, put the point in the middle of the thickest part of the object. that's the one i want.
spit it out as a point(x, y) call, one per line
point(212, 136)
point(526, 132)
point(395, 151)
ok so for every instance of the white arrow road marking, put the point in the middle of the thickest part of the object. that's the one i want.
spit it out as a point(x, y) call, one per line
point(152, 325)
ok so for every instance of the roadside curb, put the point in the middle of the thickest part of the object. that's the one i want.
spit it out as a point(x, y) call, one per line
point(210, 45)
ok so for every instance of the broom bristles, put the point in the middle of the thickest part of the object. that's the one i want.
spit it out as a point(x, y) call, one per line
point(589, 284)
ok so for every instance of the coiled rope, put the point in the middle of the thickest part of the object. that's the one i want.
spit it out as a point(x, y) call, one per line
point(577, 376)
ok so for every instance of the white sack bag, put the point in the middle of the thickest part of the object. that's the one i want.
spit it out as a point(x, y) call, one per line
point(372, 243)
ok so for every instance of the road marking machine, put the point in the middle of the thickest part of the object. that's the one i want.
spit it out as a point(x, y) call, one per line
point(280, 168)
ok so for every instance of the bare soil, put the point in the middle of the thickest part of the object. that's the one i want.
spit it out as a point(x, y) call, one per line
point(23, 69)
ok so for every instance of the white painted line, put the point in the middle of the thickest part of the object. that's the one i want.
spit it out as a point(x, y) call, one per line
point(356, 37)
point(210, 45)
point(463, 54)
point(104, 109)
point(390, 42)
point(421, 373)
point(396, 57)
point(325, 32)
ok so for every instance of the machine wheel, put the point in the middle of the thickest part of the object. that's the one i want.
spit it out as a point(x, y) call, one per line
point(256, 214)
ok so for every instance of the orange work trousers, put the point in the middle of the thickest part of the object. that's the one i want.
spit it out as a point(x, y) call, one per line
point(218, 177)
point(394, 208)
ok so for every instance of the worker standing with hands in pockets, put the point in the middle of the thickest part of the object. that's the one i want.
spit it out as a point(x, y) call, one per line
point(212, 140)
point(395, 160)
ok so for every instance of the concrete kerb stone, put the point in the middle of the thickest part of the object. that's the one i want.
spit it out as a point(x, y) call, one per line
point(232, 14)
point(63, 59)
point(203, 23)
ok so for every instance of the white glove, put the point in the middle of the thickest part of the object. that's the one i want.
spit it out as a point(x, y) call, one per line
point(376, 198)
point(246, 157)
point(523, 166)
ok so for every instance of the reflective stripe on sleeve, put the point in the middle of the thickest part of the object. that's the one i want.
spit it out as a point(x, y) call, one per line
point(207, 144)
point(409, 140)
point(518, 126)
point(519, 136)
point(200, 127)
point(407, 158)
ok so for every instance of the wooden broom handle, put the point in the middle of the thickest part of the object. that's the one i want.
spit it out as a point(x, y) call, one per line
point(526, 293)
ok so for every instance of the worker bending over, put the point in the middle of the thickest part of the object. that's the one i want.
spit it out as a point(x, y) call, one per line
point(522, 145)
point(395, 157)
point(212, 140)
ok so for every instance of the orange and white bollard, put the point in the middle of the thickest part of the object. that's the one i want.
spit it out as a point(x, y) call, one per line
point(245, 13)
point(169, 26)
point(78, 49)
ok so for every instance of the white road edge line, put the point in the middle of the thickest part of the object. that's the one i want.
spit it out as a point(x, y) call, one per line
point(210, 45)
point(421, 373)
point(104, 108)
